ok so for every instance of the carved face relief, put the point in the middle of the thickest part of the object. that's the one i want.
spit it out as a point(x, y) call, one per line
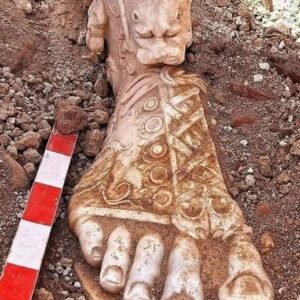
point(160, 30)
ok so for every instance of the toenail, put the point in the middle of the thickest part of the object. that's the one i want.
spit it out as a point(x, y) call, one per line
point(113, 274)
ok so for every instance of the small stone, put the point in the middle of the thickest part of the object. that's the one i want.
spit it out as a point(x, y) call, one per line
point(284, 189)
point(93, 142)
point(101, 117)
point(70, 118)
point(12, 151)
point(283, 178)
point(66, 262)
point(43, 294)
point(6, 70)
point(264, 66)
point(267, 243)
point(273, 50)
point(259, 42)
point(244, 143)
point(222, 3)
point(281, 45)
point(77, 284)
point(4, 88)
point(295, 149)
point(101, 87)
point(24, 5)
point(48, 88)
point(282, 27)
point(250, 180)
point(30, 170)
point(282, 143)
point(4, 140)
point(29, 140)
point(191, 58)
point(32, 156)
point(265, 166)
point(81, 94)
point(258, 78)
point(18, 178)
point(45, 133)
point(44, 125)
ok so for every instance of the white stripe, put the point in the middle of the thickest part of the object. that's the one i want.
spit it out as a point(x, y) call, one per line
point(53, 169)
point(29, 245)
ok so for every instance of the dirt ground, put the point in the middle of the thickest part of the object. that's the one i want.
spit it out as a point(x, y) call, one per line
point(254, 107)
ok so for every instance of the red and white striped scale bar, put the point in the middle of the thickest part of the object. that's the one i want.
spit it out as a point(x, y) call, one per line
point(24, 261)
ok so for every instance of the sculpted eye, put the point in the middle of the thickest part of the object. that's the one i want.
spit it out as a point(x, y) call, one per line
point(178, 15)
point(146, 35)
point(135, 17)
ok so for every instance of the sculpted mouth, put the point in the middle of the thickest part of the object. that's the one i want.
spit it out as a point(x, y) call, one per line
point(169, 57)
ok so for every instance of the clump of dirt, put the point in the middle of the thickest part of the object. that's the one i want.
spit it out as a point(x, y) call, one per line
point(254, 105)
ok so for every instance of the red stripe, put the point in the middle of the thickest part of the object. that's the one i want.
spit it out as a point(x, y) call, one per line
point(17, 283)
point(42, 204)
point(63, 144)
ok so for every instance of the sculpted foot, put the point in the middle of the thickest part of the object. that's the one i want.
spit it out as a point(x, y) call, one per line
point(158, 169)
point(247, 279)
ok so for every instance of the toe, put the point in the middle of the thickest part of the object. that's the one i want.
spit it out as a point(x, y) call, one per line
point(247, 278)
point(90, 236)
point(183, 279)
point(116, 261)
point(145, 269)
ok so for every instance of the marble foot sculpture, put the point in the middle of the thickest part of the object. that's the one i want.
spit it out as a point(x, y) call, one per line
point(156, 193)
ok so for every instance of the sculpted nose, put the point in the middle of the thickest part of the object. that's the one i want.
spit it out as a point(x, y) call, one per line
point(161, 30)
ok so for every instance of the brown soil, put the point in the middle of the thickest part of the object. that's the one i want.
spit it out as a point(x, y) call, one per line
point(44, 44)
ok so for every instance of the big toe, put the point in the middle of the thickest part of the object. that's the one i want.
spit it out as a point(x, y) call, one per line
point(90, 236)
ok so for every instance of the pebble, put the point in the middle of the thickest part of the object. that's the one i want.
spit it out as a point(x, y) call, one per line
point(244, 143)
point(258, 78)
point(267, 243)
point(273, 50)
point(43, 294)
point(281, 45)
point(93, 142)
point(24, 5)
point(264, 66)
point(70, 118)
point(77, 284)
point(282, 143)
point(250, 180)
point(30, 170)
point(101, 117)
point(295, 149)
point(29, 140)
point(265, 166)
point(101, 86)
point(32, 156)
point(48, 88)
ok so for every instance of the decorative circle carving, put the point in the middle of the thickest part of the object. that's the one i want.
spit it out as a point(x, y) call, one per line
point(158, 150)
point(192, 208)
point(221, 205)
point(151, 104)
point(162, 199)
point(159, 175)
point(154, 124)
